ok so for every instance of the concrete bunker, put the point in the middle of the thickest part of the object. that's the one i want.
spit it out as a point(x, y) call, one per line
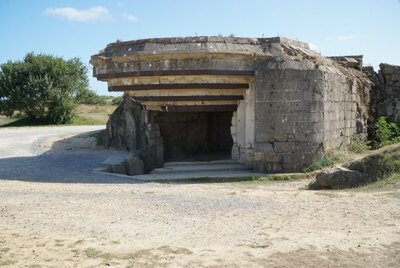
point(193, 120)
point(272, 104)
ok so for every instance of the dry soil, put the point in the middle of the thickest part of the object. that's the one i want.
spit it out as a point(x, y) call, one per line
point(122, 223)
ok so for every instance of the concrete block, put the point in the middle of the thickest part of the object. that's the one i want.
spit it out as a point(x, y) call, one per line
point(272, 157)
point(263, 137)
point(283, 147)
point(303, 147)
point(265, 147)
point(313, 117)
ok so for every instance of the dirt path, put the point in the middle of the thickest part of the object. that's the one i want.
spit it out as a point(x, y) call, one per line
point(121, 224)
point(195, 225)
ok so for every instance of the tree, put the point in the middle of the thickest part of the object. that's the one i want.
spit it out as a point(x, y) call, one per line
point(90, 97)
point(43, 87)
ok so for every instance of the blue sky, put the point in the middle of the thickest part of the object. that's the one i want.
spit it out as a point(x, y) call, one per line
point(70, 28)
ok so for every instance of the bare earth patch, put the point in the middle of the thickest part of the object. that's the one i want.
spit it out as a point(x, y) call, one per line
point(66, 225)
point(55, 213)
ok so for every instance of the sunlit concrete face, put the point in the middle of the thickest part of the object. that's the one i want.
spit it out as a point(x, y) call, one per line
point(282, 99)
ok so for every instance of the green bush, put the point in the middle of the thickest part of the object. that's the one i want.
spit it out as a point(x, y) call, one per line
point(117, 100)
point(359, 146)
point(42, 86)
point(385, 133)
point(90, 97)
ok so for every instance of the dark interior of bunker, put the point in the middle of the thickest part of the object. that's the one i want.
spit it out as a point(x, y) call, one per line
point(195, 136)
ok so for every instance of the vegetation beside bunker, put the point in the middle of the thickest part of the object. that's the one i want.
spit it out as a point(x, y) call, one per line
point(380, 165)
point(43, 90)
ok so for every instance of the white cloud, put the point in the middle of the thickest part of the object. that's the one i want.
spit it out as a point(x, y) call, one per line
point(346, 37)
point(79, 15)
point(129, 17)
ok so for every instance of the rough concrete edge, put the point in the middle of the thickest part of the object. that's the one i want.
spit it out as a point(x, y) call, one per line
point(256, 41)
point(211, 39)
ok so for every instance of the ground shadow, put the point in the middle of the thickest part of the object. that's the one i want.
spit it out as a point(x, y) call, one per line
point(19, 121)
point(67, 162)
point(57, 166)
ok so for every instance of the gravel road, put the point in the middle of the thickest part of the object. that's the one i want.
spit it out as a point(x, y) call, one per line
point(34, 154)
point(55, 212)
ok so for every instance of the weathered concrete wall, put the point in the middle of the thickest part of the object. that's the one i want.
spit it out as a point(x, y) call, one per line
point(124, 128)
point(129, 128)
point(345, 101)
point(295, 106)
point(289, 119)
point(243, 127)
point(304, 109)
point(385, 95)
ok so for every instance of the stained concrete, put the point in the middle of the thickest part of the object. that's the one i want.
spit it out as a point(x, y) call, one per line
point(297, 105)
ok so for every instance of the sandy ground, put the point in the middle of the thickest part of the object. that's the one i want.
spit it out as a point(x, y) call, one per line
point(106, 221)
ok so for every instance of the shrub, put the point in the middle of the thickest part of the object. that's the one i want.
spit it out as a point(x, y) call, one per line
point(90, 97)
point(117, 100)
point(359, 146)
point(42, 86)
point(385, 133)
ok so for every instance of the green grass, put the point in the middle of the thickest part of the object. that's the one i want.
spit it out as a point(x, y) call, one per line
point(243, 180)
point(378, 164)
point(85, 115)
point(312, 185)
point(387, 183)
point(381, 169)
point(327, 161)
point(359, 146)
point(78, 120)
point(26, 122)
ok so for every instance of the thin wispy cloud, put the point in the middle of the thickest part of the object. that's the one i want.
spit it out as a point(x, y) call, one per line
point(91, 14)
point(346, 37)
point(129, 17)
point(79, 15)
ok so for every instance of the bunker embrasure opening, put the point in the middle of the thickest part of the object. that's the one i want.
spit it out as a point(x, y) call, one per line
point(195, 136)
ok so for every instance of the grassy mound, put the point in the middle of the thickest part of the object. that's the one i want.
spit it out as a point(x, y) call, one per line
point(379, 163)
point(379, 169)
point(387, 183)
